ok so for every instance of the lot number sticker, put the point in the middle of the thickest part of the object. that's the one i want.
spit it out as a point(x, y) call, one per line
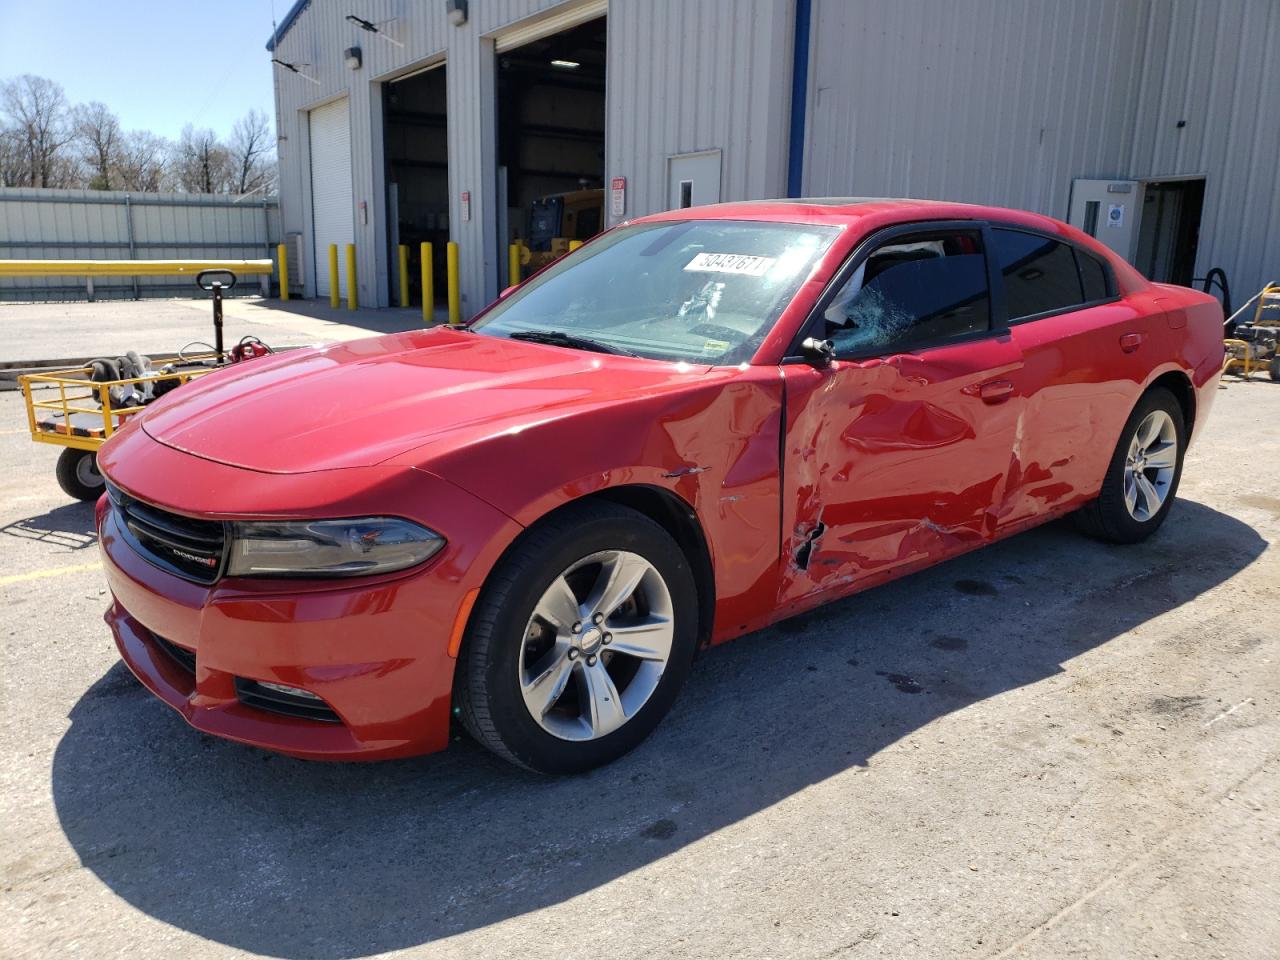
point(739, 263)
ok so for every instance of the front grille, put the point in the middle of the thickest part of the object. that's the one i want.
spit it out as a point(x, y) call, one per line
point(190, 548)
point(181, 655)
point(254, 694)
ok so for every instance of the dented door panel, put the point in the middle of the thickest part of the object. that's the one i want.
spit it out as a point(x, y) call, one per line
point(1080, 386)
point(894, 462)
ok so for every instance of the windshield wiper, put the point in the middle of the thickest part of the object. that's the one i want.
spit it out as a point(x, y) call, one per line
point(558, 338)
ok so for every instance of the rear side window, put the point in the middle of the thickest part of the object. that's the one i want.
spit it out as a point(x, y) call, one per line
point(1039, 274)
point(923, 288)
point(1094, 275)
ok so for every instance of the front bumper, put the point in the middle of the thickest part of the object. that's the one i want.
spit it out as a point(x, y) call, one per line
point(369, 652)
point(375, 650)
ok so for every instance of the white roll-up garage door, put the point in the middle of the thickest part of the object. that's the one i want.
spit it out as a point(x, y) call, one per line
point(332, 213)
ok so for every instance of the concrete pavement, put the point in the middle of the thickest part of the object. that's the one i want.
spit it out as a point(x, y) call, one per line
point(1050, 748)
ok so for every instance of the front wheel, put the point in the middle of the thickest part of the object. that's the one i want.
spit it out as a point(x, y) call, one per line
point(1142, 478)
point(581, 640)
point(78, 475)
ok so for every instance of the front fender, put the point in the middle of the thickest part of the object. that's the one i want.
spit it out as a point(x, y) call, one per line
point(715, 445)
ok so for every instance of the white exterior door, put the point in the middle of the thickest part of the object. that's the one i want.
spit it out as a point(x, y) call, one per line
point(332, 206)
point(1109, 211)
point(693, 179)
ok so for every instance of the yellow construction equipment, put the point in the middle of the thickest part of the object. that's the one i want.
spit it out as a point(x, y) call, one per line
point(1255, 345)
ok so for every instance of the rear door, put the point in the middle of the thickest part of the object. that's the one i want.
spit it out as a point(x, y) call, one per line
point(896, 454)
point(1084, 351)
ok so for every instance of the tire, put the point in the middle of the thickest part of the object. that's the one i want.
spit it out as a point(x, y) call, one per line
point(509, 642)
point(78, 475)
point(1111, 517)
point(1273, 368)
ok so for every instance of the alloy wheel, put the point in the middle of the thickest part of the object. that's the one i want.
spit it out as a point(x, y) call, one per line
point(1149, 465)
point(596, 646)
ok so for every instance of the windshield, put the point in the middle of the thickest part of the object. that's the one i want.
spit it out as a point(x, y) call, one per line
point(705, 291)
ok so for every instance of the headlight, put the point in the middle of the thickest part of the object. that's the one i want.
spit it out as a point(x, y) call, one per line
point(328, 548)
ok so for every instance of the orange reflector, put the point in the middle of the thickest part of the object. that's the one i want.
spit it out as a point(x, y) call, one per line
point(460, 621)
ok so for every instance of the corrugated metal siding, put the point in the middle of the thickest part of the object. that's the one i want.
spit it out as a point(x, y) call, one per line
point(318, 37)
point(689, 75)
point(1008, 102)
point(684, 75)
point(94, 225)
point(1219, 71)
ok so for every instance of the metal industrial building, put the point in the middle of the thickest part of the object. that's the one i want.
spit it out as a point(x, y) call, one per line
point(1147, 122)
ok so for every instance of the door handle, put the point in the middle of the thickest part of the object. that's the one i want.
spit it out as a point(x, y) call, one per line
point(995, 391)
point(1130, 342)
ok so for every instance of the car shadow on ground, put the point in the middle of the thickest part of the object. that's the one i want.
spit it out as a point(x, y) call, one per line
point(293, 859)
point(70, 527)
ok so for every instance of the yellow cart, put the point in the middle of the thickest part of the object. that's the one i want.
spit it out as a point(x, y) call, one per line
point(67, 408)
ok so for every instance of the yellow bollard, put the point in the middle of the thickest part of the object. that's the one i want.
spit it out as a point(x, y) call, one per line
point(335, 291)
point(574, 245)
point(455, 294)
point(428, 284)
point(404, 275)
point(513, 264)
point(353, 296)
point(284, 271)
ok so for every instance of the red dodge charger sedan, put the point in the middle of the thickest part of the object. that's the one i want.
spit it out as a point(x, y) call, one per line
point(696, 425)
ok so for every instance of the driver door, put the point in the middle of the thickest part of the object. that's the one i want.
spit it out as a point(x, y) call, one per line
point(897, 453)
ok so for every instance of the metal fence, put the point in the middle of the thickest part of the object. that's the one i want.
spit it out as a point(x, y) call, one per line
point(112, 225)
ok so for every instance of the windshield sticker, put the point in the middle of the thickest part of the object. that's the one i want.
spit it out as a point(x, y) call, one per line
point(714, 348)
point(739, 263)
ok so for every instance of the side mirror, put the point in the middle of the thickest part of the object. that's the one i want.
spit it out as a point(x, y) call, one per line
point(820, 353)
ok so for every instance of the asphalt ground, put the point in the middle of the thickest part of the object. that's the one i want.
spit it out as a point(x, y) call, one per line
point(33, 332)
point(1050, 748)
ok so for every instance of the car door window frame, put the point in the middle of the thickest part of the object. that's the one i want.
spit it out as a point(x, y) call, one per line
point(1076, 251)
point(906, 232)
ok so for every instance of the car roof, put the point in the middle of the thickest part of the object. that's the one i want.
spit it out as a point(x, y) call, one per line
point(846, 210)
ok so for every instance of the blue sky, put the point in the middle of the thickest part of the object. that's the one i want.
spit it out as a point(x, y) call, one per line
point(151, 62)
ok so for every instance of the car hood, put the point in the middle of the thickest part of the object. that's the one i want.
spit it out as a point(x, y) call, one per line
point(363, 402)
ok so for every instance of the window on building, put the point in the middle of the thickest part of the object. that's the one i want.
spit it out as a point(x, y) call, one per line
point(924, 288)
point(1094, 276)
point(1039, 274)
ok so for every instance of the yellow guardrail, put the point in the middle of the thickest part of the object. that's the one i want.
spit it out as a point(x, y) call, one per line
point(129, 268)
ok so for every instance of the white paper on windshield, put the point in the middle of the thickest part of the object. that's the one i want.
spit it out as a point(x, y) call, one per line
point(739, 263)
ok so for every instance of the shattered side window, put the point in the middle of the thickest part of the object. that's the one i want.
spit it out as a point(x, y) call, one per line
point(924, 289)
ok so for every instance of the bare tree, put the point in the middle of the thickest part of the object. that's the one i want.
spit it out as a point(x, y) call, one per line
point(252, 154)
point(99, 134)
point(12, 165)
point(36, 109)
point(143, 162)
point(202, 164)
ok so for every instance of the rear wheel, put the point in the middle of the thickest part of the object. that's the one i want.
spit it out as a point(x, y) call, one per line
point(1142, 478)
point(1273, 368)
point(580, 641)
point(78, 475)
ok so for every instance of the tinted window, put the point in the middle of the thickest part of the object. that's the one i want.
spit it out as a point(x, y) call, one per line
point(923, 288)
point(1094, 275)
point(1039, 274)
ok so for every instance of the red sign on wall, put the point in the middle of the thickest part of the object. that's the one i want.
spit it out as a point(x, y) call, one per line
point(618, 196)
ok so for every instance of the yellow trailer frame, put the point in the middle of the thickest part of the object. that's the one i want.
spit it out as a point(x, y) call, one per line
point(78, 394)
point(80, 417)
point(1240, 359)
